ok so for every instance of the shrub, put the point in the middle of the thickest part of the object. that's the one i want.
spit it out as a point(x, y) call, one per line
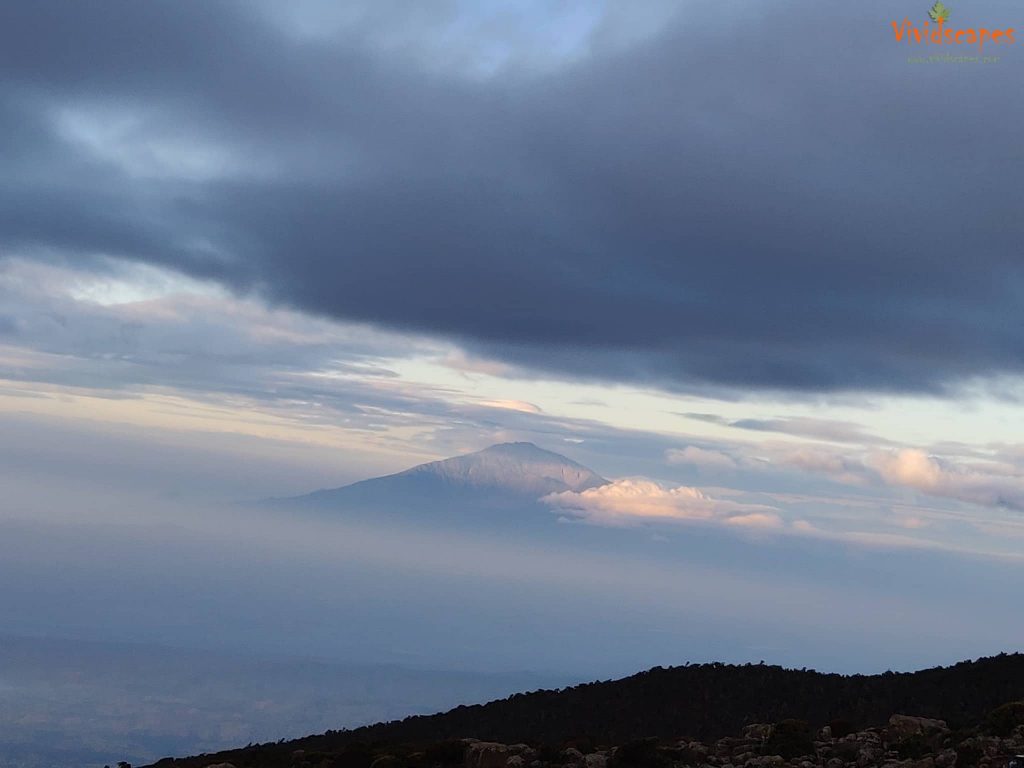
point(353, 756)
point(790, 738)
point(445, 753)
point(841, 728)
point(847, 751)
point(550, 753)
point(968, 754)
point(1002, 720)
point(915, 747)
point(642, 753)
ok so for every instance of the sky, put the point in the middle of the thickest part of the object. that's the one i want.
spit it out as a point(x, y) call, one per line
point(748, 260)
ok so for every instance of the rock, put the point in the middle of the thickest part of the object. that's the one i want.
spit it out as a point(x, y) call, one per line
point(750, 742)
point(487, 754)
point(515, 761)
point(723, 748)
point(989, 745)
point(760, 731)
point(869, 754)
point(387, 761)
point(596, 760)
point(768, 761)
point(946, 759)
point(220, 765)
point(572, 756)
point(902, 728)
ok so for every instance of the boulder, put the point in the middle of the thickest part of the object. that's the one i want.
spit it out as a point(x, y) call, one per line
point(869, 754)
point(902, 728)
point(760, 731)
point(487, 754)
point(572, 756)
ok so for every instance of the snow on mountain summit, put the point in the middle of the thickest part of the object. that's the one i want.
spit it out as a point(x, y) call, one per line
point(519, 467)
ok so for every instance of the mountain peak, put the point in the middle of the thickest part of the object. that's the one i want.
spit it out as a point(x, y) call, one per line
point(521, 449)
point(522, 471)
point(517, 467)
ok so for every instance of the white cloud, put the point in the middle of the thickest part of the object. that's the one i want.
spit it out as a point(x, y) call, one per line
point(634, 500)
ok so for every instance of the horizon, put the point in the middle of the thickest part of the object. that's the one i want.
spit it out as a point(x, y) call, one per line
point(758, 280)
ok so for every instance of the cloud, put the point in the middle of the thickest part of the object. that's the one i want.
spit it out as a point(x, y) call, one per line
point(991, 477)
point(603, 212)
point(755, 520)
point(185, 355)
point(701, 458)
point(994, 483)
point(633, 500)
point(512, 405)
point(820, 459)
point(819, 429)
point(913, 468)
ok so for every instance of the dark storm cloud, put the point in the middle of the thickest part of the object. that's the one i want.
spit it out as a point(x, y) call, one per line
point(775, 200)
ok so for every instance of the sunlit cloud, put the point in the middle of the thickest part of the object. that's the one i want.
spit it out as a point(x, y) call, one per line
point(512, 405)
point(913, 468)
point(634, 500)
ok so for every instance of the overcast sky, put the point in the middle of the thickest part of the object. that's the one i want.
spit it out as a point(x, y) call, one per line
point(743, 258)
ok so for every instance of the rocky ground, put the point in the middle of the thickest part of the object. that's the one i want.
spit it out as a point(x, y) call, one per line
point(904, 742)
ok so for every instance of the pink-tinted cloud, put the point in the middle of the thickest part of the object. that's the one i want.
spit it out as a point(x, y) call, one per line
point(913, 468)
point(633, 500)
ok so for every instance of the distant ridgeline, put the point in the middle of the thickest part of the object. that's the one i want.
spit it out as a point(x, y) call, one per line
point(697, 702)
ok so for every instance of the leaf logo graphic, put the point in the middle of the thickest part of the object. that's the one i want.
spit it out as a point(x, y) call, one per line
point(939, 12)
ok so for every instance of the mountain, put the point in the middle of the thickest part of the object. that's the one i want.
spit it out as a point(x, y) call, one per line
point(512, 467)
point(502, 474)
point(705, 702)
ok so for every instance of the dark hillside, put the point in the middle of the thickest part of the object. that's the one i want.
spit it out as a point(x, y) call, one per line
point(702, 702)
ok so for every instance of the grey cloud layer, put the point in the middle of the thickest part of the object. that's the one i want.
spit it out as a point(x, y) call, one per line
point(774, 200)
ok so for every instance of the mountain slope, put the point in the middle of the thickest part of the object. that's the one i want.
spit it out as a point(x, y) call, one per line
point(519, 471)
point(705, 701)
